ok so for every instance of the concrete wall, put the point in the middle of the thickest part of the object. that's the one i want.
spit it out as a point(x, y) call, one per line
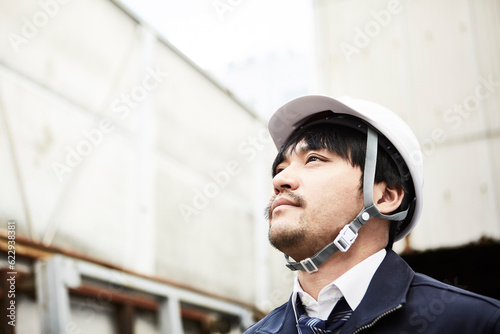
point(437, 64)
point(115, 145)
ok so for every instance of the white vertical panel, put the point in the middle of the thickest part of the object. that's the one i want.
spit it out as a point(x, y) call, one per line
point(53, 278)
point(460, 204)
point(436, 64)
point(142, 206)
point(170, 316)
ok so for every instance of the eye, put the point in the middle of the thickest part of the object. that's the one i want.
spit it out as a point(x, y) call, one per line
point(278, 170)
point(313, 158)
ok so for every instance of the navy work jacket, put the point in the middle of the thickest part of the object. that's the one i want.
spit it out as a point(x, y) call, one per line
point(402, 302)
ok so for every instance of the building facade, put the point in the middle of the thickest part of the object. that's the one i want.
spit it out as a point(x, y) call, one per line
point(133, 184)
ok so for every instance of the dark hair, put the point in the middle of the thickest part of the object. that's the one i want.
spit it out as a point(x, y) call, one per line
point(350, 145)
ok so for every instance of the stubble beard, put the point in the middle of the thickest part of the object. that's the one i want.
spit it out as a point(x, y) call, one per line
point(299, 241)
point(289, 239)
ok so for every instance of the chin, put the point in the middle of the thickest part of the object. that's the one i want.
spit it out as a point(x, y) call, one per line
point(284, 238)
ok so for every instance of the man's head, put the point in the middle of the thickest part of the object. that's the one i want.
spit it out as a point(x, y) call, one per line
point(318, 174)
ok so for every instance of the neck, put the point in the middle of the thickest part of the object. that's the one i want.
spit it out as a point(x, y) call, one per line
point(338, 264)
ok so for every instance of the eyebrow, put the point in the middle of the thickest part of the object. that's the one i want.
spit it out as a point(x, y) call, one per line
point(302, 149)
point(297, 150)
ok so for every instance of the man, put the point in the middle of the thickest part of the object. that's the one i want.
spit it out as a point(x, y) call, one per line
point(347, 183)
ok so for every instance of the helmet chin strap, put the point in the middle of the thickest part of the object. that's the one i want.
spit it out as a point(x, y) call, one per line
point(348, 234)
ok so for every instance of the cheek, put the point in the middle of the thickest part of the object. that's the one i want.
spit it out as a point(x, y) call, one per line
point(340, 197)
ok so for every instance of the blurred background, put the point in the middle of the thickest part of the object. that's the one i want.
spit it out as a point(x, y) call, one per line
point(135, 160)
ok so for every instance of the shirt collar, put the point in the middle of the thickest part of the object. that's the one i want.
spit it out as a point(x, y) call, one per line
point(352, 285)
point(354, 282)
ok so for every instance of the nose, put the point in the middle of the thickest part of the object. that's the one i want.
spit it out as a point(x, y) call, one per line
point(287, 179)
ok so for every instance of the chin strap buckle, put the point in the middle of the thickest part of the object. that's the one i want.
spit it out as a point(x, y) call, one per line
point(345, 238)
point(309, 265)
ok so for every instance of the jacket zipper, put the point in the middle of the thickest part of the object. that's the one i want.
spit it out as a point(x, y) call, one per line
point(377, 319)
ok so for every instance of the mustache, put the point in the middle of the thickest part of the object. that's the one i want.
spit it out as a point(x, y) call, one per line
point(297, 199)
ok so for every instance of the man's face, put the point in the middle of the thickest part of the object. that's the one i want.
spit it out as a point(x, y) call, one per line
point(316, 193)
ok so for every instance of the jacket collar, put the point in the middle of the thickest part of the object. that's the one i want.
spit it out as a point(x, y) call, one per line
point(387, 291)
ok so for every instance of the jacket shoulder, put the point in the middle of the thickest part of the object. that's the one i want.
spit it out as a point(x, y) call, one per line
point(424, 283)
point(271, 323)
point(465, 311)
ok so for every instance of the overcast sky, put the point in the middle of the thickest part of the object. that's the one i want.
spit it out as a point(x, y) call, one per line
point(213, 32)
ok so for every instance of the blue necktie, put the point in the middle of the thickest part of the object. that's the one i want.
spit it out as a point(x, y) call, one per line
point(338, 317)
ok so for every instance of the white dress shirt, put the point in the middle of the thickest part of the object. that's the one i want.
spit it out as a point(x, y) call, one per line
point(352, 285)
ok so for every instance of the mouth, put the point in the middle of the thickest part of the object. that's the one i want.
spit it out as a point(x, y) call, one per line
point(287, 198)
point(279, 202)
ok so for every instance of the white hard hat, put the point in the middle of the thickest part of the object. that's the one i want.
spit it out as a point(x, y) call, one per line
point(298, 112)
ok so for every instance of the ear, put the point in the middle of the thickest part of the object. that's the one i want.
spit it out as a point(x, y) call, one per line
point(387, 199)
